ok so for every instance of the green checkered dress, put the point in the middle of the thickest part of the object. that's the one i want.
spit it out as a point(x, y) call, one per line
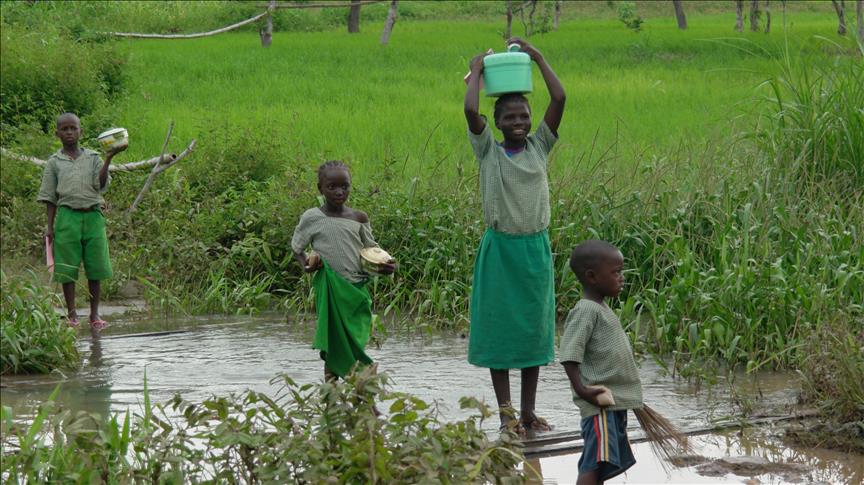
point(594, 339)
point(338, 240)
point(513, 289)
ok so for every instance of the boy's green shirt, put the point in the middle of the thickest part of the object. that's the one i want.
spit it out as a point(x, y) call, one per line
point(73, 183)
point(594, 339)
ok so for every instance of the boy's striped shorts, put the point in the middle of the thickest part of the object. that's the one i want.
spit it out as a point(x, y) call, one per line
point(607, 448)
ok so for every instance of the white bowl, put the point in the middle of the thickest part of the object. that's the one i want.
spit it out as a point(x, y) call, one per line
point(113, 138)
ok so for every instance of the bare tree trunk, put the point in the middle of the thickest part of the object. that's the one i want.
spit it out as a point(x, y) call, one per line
point(859, 13)
point(354, 17)
point(509, 32)
point(266, 32)
point(679, 14)
point(739, 15)
point(558, 15)
point(767, 17)
point(841, 16)
point(391, 21)
point(754, 15)
point(530, 30)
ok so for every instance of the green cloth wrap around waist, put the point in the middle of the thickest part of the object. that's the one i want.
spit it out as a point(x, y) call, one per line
point(344, 320)
point(512, 302)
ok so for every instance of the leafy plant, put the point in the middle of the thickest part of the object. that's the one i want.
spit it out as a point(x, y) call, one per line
point(33, 338)
point(306, 434)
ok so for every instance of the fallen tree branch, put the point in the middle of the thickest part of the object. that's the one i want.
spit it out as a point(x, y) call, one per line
point(324, 5)
point(134, 35)
point(153, 173)
point(166, 159)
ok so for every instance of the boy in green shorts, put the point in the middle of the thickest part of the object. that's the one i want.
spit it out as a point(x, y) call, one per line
point(72, 186)
point(597, 357)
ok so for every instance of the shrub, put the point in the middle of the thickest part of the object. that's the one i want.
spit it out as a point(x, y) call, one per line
point(47, 72)
point(310, 434)
point(33, 337)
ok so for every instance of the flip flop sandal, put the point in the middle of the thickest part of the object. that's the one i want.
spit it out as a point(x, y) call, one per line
point(98, 324)
point(73, 322)
point(537, 424)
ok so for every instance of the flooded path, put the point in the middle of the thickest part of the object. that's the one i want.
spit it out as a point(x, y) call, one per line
point(218, 355)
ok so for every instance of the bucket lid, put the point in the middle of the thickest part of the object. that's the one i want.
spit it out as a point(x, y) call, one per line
point(506, 58)
point(112, 131)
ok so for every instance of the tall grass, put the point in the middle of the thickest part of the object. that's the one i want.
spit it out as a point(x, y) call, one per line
point(815, 125)
point(33, 338)
point(833, 368)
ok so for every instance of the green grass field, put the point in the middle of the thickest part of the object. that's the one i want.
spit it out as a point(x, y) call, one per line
point(335, 95)
point(724, 202)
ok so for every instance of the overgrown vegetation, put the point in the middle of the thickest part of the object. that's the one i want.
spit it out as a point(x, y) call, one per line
point(833, 377)
point(33, 339)
point(832, 380)
point(46, 72)
point(738, 245)
point(307, 434)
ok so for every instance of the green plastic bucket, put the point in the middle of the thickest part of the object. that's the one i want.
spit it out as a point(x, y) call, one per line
point(507, 72)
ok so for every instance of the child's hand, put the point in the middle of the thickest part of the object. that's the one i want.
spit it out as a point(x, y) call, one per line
point(49, 234)
point(526, 48)
point(313, 263)
point(604, 398)
point(592, 394)
point(114, 150)
point(476, 63)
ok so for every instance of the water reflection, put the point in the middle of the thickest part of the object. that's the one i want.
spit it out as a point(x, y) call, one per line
point(217, 356)
point(223, 355)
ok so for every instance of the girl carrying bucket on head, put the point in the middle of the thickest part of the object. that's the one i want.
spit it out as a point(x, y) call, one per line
point(338, 233)
point(513, 294)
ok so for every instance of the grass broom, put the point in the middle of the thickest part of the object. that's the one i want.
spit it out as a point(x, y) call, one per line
point(665, 439)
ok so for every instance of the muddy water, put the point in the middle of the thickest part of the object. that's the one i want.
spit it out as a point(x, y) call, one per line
point(218, 355)
point(752, 455)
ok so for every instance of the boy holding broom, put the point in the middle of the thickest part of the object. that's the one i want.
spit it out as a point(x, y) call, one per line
point(597, 357)
point(72, 186)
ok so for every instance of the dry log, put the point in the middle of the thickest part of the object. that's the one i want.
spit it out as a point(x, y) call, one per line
point(323, 5)
point(168, 160)
point(190, 36)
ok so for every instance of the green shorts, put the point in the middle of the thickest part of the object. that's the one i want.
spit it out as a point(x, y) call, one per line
point(80, 236)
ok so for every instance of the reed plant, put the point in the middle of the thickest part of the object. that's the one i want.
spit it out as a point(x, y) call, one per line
point(814, 122)
point(833, 367)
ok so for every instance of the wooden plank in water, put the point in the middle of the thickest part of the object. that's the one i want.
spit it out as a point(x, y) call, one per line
point(571, 442)
point(145, 334)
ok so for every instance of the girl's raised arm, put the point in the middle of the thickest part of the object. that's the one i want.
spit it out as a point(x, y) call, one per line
point(557, 98)
point(476, 123)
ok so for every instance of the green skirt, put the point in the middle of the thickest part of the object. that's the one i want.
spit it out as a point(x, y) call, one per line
point(512, 302)
point(344, 321)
